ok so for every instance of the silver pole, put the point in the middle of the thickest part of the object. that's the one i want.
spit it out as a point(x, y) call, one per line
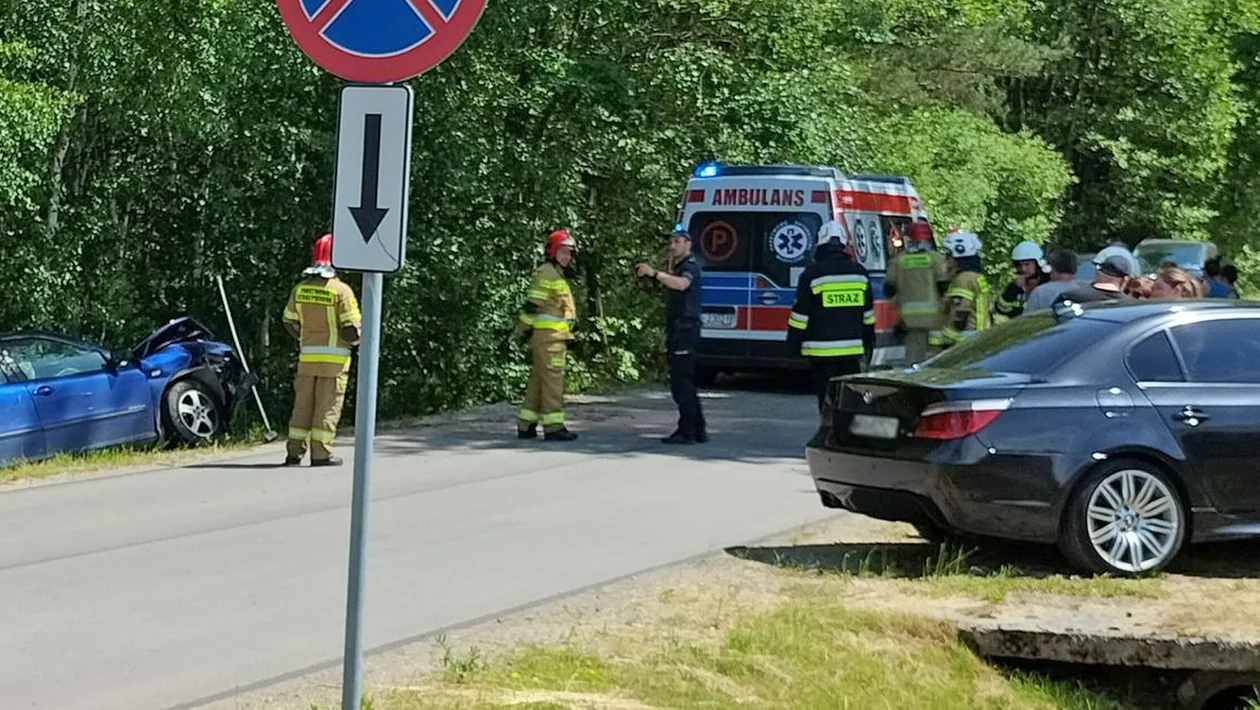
point(364, 434)
point(269, 434)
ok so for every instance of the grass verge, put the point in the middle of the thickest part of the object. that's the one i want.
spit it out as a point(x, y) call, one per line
point(805, 654)
point(120, 457)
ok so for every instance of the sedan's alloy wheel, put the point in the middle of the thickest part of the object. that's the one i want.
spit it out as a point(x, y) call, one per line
point(1134, 521)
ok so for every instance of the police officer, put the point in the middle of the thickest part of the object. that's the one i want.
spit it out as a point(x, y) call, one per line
point(547, 321)
point(1031, 271)
point(915, 282)
point(832, 323)
point(967, 300)
point(683, 285)
point(323, 315)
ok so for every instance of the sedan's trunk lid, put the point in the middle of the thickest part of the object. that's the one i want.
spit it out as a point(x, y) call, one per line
point(880, 412)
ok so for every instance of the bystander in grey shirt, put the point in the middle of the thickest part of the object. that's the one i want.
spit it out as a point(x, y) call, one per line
point(1044, 295)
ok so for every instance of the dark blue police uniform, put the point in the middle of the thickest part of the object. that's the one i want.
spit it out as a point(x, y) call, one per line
point(682, 338)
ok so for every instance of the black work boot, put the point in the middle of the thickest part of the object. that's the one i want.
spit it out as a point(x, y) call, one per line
point(293, 461)
point(332, 461)
point(679, 438)
point(530, 433)
point(702, 437)
point(560, 435)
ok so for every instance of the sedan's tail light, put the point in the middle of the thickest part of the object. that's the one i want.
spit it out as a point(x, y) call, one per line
point(954, 420)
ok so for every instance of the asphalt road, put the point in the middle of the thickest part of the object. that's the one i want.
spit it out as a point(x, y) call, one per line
point(175, 588)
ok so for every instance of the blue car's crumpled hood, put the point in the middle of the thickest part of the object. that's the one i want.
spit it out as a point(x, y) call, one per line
point(178, 330)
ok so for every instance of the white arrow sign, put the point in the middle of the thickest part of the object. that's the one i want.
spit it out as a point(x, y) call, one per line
point(373, 171)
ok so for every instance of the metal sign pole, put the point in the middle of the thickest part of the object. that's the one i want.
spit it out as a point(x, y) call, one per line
point(364, 434)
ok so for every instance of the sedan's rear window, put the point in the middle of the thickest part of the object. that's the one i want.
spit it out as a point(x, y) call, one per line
point(1031, 344)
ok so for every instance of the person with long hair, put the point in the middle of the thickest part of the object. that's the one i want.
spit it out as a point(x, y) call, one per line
point(1174, 283)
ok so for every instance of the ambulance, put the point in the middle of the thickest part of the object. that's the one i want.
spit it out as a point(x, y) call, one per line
point(755, 228)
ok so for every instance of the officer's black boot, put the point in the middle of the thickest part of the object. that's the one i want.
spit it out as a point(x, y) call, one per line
point(332, 461)
point(679, 438)
point(560, 435)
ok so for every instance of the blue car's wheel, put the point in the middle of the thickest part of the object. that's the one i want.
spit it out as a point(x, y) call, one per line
point(193, 414)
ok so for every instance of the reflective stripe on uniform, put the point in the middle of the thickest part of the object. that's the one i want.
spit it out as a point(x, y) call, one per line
point(546, 321)
point(560, 286)
point(798, 321)
point(915, 261)
point(832, 348)
point(949, 335)
point(817, 283)
point(323, 436)
point(936, 337)
point(919, 308)
point(528, 415)
point(293, 316)
point(321, 354)
point(868, 318)
point(963, 293)
point(299, 434)
point(553, 418)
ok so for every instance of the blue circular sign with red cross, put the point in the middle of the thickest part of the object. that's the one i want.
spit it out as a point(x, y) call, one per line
point(379, 41)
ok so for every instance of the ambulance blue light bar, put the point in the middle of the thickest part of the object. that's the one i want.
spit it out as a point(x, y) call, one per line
point(771, 171)
point(710, 169)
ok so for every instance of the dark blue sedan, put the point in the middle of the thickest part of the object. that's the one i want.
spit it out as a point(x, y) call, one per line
point(62, 395)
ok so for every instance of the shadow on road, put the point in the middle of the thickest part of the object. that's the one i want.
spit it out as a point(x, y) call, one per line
point(750, 418)
point(1227, 560)
point(238, 466)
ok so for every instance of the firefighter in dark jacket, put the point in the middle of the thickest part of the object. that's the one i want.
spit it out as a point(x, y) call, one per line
point(833, 321)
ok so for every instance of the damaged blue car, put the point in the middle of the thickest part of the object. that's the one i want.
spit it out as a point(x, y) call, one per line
point(62, 395)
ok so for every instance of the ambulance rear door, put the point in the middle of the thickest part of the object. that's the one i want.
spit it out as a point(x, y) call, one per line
point(754, 238)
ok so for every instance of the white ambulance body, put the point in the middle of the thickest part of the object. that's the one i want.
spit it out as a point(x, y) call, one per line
point(755, 229)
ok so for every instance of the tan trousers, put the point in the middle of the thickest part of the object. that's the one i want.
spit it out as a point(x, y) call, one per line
point(544, 398)
point(317, 405)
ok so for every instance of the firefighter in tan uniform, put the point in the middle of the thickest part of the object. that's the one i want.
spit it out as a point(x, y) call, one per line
point(547, 321)
point(323, 315)
point(967, 309)
point(915, 282)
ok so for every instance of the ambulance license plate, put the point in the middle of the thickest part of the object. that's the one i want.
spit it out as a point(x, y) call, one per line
point(718, 320)
point(874, 427)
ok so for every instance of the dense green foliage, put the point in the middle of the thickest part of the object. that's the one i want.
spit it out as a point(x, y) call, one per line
point(145, 147)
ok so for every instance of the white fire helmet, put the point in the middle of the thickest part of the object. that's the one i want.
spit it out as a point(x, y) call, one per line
point(831, 231)
point(962, 244)
point(1029, 251)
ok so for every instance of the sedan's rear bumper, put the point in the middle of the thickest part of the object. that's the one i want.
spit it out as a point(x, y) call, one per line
point(982, 497)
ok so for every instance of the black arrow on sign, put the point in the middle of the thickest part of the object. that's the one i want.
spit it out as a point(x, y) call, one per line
point(369, 215)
